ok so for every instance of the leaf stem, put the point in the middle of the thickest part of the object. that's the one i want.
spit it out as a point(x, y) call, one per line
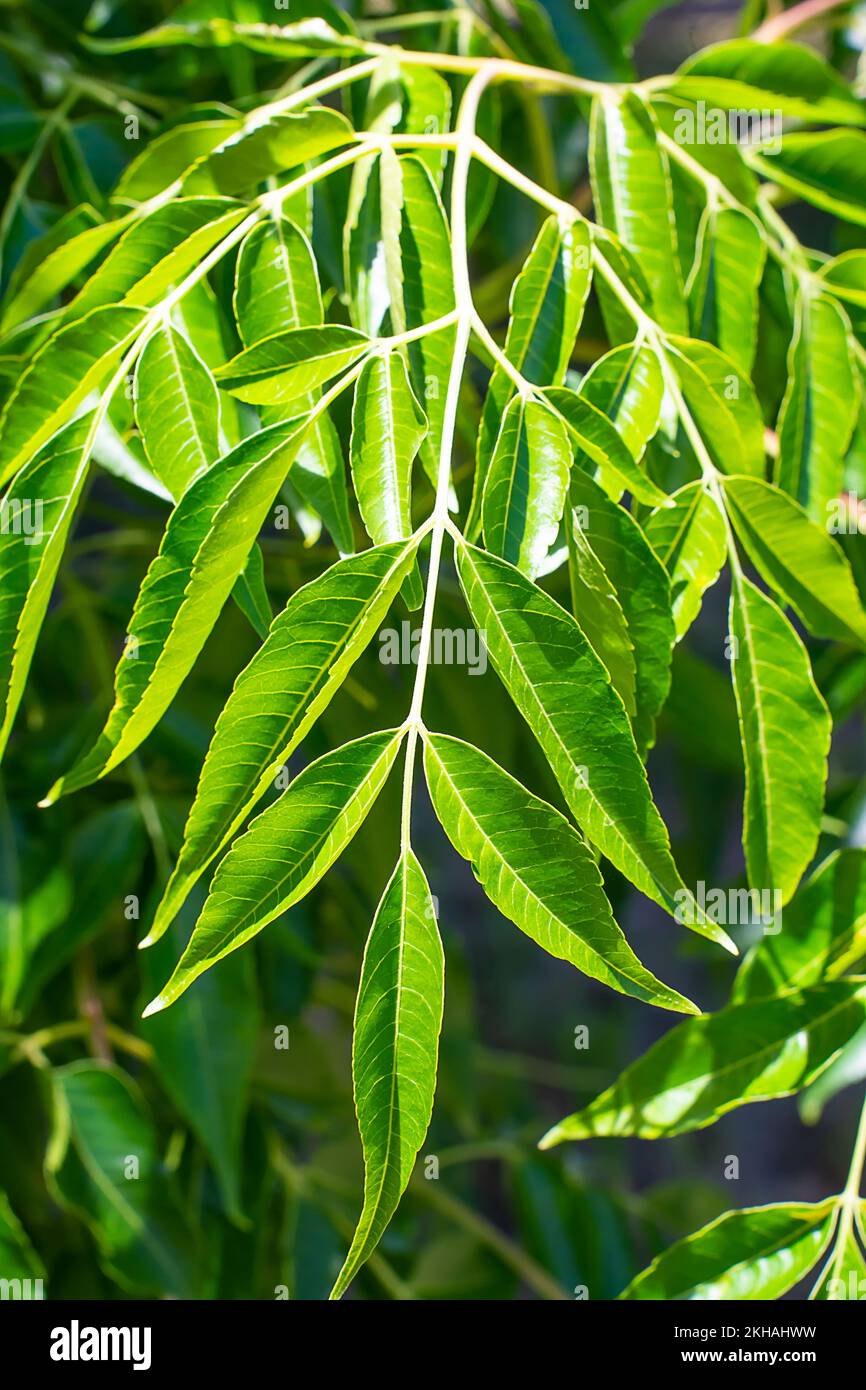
point(849, 1199)
point(465, 135)
point(780, 26)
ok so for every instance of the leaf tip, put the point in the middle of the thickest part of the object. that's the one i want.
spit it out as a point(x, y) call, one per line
point(155, 1006)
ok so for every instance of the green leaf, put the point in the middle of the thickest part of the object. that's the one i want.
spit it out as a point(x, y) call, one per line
point(281, 369)
point(759, 1252)
point(38, 510)
point(302, 833)
point(820, 935)
point(387, 428)
point(785, 728)
point(398, 1019)
point(307, 37)
point(166, 159)
point(204, 548)
point(596, 606)
point(258, 152)
point(310, 649)
point(546, 308)
point(563, 692)
point(798, 559)
point(691, 542)
point(176, 409)
point(594, 435)
point(760, 1050)
point(626, 384)
point(632, 192)
point(102, 1162)
point(817, 417)
point(787, 77)
point(156, 252)
point(33, 286)
point(723, 404)
point(535, 868)
point(642, 586)
point(427, 294)
point(844, 1278)
point(723, 286)
point(18, 1259)
point(526, 485)
point(203, 1055)
point(277, 288)
point(824, 168)
point(72, 363)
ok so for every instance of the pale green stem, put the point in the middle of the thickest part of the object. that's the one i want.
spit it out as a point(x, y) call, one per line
point(782, 26)
point(849, 1199)
point(465, 131)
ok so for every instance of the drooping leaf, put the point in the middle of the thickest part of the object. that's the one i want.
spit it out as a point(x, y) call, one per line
point(204, 548)
point(819, 935)
point(526, 485)
point(546, 307)
point(387, 428)
point(535, 868)
point(759, 1252)
point(395, 1047)
point(723, 286)
point(627, 385)
point(38, 510)
point(632, 193)
point(166, 159)
point(259, 151)
point(157, 251)
point(32, 287)
point(785, 728)
point(176, 409)
point(594, 435)
point(282, 369)
point(644, 592)
point(427, 294)
point(102, 1162)
point(564, 693)
point(787, 77)
point(798, 559)
point(71, 364)
point(303, 832)
point(825, 168)
point(598, 611)
point(691, 542)
point(723, 403)
point(310, 649)
point(195, 24)
point(759, 1050)
point(277, 288)
point(820, 406)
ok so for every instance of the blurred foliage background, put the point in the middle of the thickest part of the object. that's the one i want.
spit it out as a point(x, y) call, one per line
point(237, 1103)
